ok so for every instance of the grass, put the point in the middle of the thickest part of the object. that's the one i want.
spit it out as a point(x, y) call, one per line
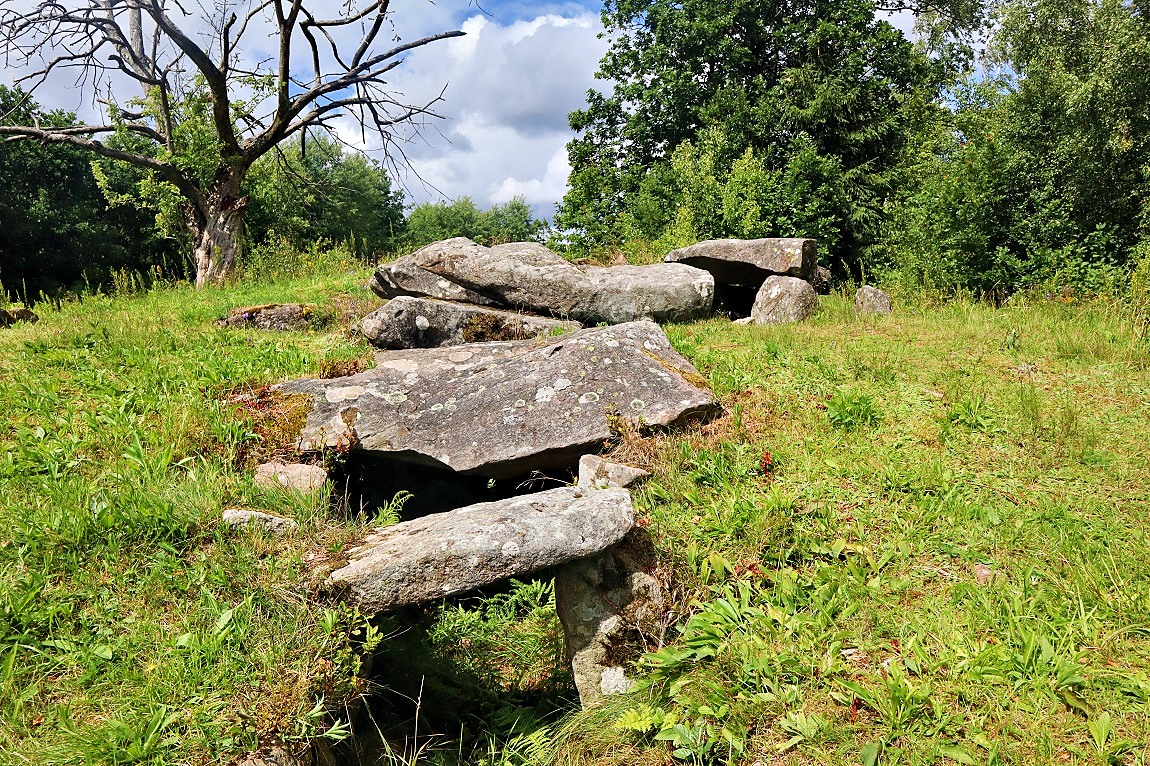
point(909, 540)
point(133, 627)
point(913, 539)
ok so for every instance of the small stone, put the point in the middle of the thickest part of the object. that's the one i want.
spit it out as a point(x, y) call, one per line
point(871, 300)
point(278, 317)
point(597, 473)
point(743, 321)
point(12, 316)
point(295, 476)
point(783, 300)
point(822, 280)
point(983, 574)
point(278, 525)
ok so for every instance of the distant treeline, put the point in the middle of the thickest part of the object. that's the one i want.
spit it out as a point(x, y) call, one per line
point(920, 160)
point(71, 222)
point(914, 160)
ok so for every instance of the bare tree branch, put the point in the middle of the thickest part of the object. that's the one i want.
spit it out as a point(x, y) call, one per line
point(194, 80)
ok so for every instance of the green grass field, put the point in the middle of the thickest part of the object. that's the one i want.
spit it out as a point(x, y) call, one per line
point(914, 539)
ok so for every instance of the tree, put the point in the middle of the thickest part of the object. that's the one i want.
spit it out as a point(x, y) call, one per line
point(1043, 172)
point(510, 222)
point(57, 230)
point(324, 193)
point(818, 91)
point(205, 113)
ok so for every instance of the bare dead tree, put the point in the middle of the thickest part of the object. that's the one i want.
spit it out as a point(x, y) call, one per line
point(325, 66)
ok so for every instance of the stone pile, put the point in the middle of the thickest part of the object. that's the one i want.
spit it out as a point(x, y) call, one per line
point(526, 276)
point(489, 373)
point(502, 409)
point(777, 277)
point(10, 317)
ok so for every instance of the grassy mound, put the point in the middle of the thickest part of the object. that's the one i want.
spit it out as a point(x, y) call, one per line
point(909, 539)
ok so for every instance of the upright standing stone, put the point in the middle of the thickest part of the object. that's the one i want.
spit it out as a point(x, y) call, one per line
point(608, 606)
point(782, 300)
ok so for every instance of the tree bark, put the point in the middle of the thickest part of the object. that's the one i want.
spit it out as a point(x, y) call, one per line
point(217, 224)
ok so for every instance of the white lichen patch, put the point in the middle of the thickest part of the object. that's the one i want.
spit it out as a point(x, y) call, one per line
point(544, 395)
point(394, 397)
point(638, 404)
point(589, 397)
point(335, 394)
point(400, 365)
point(460, 356)
point(562, 384)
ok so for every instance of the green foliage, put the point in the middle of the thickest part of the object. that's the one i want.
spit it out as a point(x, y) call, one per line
point(134, 627)
point(1038, 176)
point(510, 640)
point(317, 194)
point(849, 411)
point(746, 118)
point(434, 221)
point(57, 231)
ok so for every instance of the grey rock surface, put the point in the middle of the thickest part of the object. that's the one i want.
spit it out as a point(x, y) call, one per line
point(608, 606)
point(455, 552)
point(12, 316)
point(598, 473)
point(528, 276)
point(294, 476)
point(407, 322)
point(404, 276)
point(237, 517)
point(664, 292)
point(502, 409)
point(750, 261)
point(871, 300)
point(282, 756)
point(782, 300)
point(278, 317)
point(822, 281)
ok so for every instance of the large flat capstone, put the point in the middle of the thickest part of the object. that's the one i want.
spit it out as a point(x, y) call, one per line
point(458, 551)
point(749, 262)
point(527, 276)
point(503, 409)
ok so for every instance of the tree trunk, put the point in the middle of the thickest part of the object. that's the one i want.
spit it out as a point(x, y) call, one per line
point(216, 226)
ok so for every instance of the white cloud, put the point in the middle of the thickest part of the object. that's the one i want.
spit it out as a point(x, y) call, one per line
point(537, 190)
point(509, 91)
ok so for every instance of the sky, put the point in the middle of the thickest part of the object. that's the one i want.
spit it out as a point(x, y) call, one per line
point(507, 88)
point(510, 83)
